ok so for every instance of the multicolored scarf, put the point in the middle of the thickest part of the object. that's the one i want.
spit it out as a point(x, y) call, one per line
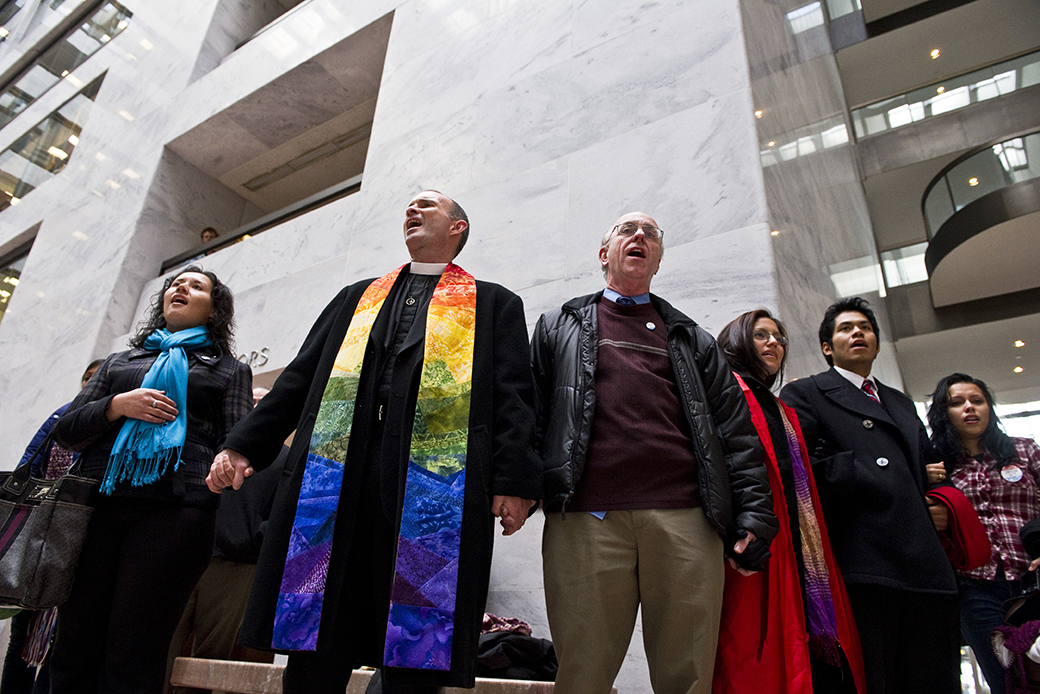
point(143, 450)
point(819, 603)
point(422, 609)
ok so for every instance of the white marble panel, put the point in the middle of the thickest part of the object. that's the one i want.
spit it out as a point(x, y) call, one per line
point(695, 172)
point(656, 70)
point(715, 279)
point(423, 81)
point(525, 213)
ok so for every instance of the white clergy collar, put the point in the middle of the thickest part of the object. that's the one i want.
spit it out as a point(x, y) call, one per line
point(427, 268)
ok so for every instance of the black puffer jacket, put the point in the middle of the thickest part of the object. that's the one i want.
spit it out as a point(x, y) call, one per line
point(734, 487)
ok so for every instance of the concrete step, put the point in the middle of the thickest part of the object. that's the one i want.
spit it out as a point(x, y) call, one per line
point(261, 678)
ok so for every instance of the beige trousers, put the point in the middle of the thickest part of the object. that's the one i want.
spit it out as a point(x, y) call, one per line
point(599, 572)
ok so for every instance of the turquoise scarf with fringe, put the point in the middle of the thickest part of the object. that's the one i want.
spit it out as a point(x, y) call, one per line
point(143, 450)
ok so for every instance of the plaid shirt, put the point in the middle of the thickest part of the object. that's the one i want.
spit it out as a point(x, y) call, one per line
point(1003, 506)
point(219, 394)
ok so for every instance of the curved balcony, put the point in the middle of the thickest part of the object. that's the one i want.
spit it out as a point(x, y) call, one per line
point(982, 213)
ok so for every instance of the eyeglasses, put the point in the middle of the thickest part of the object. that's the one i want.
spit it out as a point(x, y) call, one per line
point(763, 336)
point(630, 228)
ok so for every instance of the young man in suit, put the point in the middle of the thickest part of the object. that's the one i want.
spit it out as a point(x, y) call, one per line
point(868, 450)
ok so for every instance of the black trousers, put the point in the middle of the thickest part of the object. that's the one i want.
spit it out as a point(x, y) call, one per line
point(139, 564)
point(911, 641)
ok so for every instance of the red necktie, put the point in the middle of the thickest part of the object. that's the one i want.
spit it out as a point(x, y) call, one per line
point(871, 390)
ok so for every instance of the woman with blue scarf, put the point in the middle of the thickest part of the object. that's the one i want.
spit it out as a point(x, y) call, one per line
point(148, 425)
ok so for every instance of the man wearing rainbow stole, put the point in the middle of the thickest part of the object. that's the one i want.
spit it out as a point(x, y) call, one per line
point(414, 402)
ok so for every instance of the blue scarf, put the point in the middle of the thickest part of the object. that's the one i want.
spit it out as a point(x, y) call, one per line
point(143, 450)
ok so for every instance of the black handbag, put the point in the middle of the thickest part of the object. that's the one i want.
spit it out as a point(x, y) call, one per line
point(42, 527)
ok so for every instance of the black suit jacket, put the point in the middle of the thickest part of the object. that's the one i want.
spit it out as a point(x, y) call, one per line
point(868, 461)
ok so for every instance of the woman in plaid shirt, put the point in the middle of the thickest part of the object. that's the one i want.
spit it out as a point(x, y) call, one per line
point(999, 475)
point(148, 425)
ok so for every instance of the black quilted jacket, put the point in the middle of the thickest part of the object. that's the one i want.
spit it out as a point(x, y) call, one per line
point(734, 487)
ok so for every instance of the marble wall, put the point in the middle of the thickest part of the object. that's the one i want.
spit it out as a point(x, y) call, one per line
point(824, 246)
point(546, 119)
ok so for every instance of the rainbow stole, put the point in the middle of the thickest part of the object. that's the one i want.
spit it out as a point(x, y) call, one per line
point(422, 607)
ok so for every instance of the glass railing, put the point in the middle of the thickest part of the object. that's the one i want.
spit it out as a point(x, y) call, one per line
point(62, 58)
point(983, 172)
point(948, 95)
point(45, 149)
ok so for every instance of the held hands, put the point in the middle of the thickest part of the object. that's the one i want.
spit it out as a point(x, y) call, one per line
point(511, 509)
point(146, 404)
point(940, 514)
point(230, 469)
point(936, 472)
point(749, 552)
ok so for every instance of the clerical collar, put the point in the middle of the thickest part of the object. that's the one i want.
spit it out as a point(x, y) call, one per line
point(854, 378)
point(614, 296)
point(427, 268)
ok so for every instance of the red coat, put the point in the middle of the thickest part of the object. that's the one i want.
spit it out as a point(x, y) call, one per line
point(763, 644)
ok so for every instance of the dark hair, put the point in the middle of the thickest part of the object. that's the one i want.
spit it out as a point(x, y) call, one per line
point(221, 325)
point(737, 341)
point(945, 439)
point(852, 303)
point(203, 232)
point(92, 365)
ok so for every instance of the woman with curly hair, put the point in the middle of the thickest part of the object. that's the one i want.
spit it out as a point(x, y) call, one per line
point(789, 627)
point(999, 475)
point(148, 425)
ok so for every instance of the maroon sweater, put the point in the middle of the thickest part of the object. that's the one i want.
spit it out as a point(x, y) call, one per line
point(640, 455)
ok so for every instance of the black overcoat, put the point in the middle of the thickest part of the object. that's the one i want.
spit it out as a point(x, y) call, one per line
point(868, 462)
point(500, 456)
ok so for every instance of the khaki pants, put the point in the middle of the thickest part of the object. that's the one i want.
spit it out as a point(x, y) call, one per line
point(598, 573)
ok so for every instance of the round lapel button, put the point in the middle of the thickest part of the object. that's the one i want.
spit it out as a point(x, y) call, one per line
point(868, 424)
point(882, 462)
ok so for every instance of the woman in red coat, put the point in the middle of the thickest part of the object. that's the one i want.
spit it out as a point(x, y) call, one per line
point(788, 628)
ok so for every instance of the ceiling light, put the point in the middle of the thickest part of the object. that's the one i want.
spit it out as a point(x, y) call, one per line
point(1018, 369)
point(1019, 343)
point(934, 53)
point(11, 280)
point(73, 140)
point(55, 152)
point(758, 114)
point(771, 144)
point(774, 232)
point(147, 45)
point(125, 114)
point(105, 38)
point(940, 90)
point(15, 201)
point(973, 181)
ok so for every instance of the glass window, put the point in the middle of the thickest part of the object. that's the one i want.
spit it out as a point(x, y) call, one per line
point(45, 149)
point(10, 272)
point(805, 18)
point(840, 8)
point(62, 58)
point(905, 265)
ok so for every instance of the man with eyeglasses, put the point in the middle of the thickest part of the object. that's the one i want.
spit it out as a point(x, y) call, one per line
point(652, 472)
